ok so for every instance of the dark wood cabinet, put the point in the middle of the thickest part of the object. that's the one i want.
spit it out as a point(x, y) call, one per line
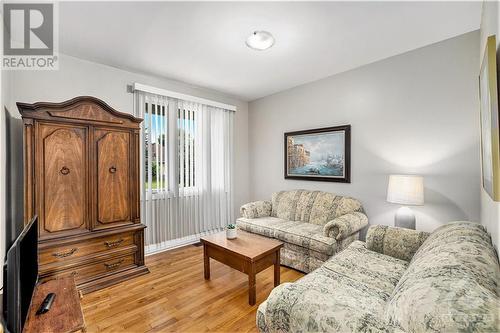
point(81, 177)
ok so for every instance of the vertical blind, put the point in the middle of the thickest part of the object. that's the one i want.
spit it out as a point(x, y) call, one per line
point(186, 169)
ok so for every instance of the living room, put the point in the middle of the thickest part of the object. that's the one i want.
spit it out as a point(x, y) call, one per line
point(250, 166)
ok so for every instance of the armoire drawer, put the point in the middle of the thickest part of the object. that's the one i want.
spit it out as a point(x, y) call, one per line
point(80, 249)
point(99, 269)
point(94, 270)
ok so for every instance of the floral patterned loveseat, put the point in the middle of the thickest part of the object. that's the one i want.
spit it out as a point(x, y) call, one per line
point(313, 225)
point(400, 280)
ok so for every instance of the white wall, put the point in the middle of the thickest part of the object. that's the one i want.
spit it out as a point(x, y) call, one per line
point(490, 210)
point(79, 77)
point(412, 113)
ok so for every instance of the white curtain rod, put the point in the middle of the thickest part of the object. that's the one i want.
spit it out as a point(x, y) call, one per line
point(163, 92)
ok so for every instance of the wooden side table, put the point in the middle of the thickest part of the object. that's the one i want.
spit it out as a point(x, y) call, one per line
point(248, 253)
point(64, 316)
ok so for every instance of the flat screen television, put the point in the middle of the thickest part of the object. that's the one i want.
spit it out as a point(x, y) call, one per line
point(20, 277)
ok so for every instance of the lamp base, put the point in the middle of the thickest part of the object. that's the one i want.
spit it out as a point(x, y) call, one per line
point(404, 218)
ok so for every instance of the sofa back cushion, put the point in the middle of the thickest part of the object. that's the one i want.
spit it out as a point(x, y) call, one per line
point(451, 284)
point(315, 207)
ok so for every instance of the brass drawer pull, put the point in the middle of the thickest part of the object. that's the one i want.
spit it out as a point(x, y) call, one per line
point(113, 265)
point(114, 243)
point(64, 170)
point(65, 254)
point(112, 169)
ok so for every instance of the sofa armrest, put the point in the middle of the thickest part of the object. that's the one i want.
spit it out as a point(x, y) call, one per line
point(396, 242)
point(345, 225)
point(261, 318)
point(256, 209)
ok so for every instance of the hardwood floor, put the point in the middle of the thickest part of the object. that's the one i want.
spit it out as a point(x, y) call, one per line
point(174, 297)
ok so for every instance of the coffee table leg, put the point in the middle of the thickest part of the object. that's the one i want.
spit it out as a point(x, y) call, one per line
point(206, 262)
point(251, 285)
point(277, 269)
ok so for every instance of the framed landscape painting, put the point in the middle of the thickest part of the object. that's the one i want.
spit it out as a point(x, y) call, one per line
point(490, 121)
point(319, 154)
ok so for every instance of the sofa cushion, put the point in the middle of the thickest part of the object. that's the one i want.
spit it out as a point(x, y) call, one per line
point(451, 283)
point(303, 234)
point(324, 208)
point(315, 207)
point(304, 205)
point(284, 204)
point(371, 268)
point(348, 293)
point(306, 235)
point(264, 226)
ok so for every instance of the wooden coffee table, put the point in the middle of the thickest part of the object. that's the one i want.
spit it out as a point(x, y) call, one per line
point(249, 253)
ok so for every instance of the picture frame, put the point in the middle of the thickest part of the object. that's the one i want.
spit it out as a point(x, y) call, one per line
point(490, 121)
point(321, 154)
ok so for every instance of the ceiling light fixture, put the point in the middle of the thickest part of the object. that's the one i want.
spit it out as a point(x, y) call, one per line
point(260, 40)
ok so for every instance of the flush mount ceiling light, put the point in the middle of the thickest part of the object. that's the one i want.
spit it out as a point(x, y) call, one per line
point(260, 40)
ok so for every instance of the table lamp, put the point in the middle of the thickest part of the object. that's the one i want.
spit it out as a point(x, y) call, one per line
point(405, 190)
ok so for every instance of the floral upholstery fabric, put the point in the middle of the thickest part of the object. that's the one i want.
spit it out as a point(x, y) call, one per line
point(300, 261)
point(395, 242)
point(348, 293)
point(297, 218)
point(328, 206)
point(307, 260)
point(315, 207)
point(451, 284)
point(303, 234)
point(284, 204)
point(306, 252)
point(255, 209)
point(264, 226)
point(305, 247)
point(345, 225)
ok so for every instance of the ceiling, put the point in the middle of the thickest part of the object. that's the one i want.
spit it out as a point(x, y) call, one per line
point(204, 43)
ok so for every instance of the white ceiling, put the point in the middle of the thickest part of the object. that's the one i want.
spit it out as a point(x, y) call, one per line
point(204, 43)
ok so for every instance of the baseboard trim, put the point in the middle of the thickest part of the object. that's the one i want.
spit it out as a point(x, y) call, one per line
point(176, 243)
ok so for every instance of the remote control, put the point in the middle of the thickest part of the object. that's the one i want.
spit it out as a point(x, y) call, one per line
point(46, 304)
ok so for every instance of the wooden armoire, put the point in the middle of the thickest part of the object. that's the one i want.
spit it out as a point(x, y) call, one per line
point(81, 177)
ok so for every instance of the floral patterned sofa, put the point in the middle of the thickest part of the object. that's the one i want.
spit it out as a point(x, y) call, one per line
point(400, 280)
point(313, 225)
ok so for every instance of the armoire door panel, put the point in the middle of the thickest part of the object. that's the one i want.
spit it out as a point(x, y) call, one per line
point(63, 179)
point(113, 177)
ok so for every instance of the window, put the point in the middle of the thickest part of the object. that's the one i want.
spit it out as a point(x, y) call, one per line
point(186, 165)
point(156, 152)
point(155, 147)
point(186, 138)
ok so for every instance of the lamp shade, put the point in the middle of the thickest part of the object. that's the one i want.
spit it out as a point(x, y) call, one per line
point(406, 190)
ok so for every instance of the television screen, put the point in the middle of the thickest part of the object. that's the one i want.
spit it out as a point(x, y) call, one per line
point(20, 277)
